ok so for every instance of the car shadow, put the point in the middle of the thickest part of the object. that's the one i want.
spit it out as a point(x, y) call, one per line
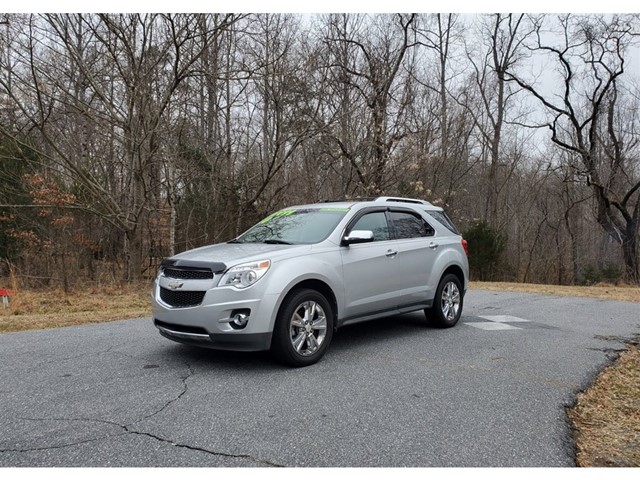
point(347, 339)
point(382, 330)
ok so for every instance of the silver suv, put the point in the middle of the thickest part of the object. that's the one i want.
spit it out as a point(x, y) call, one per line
point(290, 281)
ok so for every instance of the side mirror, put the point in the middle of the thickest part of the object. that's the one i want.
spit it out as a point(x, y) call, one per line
point(358, 236)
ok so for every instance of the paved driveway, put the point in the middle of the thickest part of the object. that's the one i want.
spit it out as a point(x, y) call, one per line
point(491, 392)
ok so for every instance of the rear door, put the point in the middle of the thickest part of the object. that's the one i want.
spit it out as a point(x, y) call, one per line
point(417, 250)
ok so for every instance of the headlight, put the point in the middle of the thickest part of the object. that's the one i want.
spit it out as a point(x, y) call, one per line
point(245, 275)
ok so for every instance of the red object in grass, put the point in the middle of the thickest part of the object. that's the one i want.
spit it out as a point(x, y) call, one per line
point(5, 293)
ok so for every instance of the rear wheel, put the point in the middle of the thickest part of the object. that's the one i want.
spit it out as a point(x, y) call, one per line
point(303, 329)
point(447, 304)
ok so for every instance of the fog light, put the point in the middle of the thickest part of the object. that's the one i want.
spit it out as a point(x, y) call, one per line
point(240, 318)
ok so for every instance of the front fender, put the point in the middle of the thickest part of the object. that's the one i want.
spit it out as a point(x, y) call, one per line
point(289, 273)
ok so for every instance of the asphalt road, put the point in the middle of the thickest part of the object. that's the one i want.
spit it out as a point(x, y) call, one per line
point(490, 392)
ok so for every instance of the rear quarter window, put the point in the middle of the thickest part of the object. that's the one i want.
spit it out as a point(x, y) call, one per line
point(444, 219)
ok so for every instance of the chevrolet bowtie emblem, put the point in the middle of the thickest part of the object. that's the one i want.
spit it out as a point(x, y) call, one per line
point(175, 285)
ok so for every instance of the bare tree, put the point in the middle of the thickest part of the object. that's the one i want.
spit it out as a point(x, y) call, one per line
point(440, 38)
point(116, 75)
point(501, 49)
point(283, 109)
point(370, 61)
point(147, 134)
point(591, 58)
point(444, 132)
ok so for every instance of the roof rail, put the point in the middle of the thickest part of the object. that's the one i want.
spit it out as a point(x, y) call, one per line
point(356, 199)
point(401, 199)
point(382, 199)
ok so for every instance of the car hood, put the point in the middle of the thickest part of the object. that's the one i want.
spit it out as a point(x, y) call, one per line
point(233, 253)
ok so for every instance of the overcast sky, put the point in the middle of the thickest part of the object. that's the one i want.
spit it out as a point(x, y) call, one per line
point(312, 6)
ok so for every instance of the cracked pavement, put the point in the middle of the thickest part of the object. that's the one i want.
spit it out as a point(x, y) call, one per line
point(389, 393)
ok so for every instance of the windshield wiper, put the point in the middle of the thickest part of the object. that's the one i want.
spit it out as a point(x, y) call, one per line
point(235, 240)
point(275, 241)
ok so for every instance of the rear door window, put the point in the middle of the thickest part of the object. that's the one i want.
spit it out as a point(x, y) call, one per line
point(408, 225)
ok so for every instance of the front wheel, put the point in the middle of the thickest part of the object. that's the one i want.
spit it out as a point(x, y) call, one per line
point(303, 329)
point(447, 304)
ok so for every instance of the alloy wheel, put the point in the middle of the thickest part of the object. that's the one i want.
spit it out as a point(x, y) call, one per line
point(308, 328)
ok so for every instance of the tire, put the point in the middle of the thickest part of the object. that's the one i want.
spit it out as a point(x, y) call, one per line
point(447, 304)
point(303, 329)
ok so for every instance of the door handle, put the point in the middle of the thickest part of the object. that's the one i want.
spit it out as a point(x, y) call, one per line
point(433, 246)
point(391, 253)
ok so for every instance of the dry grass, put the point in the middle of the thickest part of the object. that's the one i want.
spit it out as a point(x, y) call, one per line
point(30, 310)
point(606, 417)
point(620, 293)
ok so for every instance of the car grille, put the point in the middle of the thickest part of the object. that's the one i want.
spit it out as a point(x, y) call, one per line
point(187, 273)
point(181, 298)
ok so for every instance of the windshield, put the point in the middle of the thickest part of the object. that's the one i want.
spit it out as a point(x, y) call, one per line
point(293, 226)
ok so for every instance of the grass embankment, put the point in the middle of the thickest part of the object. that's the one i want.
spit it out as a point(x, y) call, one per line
point(606, 417)
point(29, 310)
point(602, 291)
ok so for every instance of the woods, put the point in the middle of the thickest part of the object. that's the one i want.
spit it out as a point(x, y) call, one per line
point(125, 138)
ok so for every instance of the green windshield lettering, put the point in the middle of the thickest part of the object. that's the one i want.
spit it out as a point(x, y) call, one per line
point(281, 213)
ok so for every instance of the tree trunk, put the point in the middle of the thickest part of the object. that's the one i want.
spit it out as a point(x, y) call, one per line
point(630, 254)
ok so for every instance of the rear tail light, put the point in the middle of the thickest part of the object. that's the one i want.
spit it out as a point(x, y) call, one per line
point(465, 245)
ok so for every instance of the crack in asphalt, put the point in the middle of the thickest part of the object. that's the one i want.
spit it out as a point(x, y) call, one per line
point(619, 339)
point(210, 452)
point(64, 445)
point(612, 353)
point(128, 430)
point(185, 387)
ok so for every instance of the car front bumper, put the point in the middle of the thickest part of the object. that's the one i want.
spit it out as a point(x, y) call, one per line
point(209, 323)
point(247, 342)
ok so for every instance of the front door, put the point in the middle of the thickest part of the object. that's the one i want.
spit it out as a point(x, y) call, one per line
point(372, 279)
